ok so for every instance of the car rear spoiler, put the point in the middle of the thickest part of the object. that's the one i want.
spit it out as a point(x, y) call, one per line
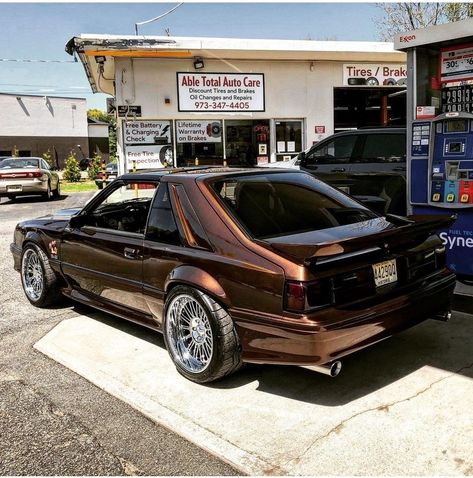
point(409, 231)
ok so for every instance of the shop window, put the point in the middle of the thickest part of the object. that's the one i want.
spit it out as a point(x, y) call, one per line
point(288, 139)
point(201, 139)
point(247, 142)
point(369, 107)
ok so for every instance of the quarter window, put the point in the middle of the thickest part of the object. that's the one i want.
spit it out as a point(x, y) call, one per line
point(162, 225)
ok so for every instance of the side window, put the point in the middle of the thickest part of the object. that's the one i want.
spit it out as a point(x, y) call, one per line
point(338, 150)
point(44, 164)
point(162, 225)
point(124, 209)
point(384, 148)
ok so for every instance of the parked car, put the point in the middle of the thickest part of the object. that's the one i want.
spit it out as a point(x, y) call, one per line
point(28, 176)
point(238, 266)
point(369, 164)
point(111, 172)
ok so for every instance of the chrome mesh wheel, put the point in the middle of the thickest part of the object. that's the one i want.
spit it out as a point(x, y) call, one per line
point(189, 333)
point(32, 275)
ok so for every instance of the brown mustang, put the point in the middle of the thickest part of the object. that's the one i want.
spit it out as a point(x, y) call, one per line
point(233, 266)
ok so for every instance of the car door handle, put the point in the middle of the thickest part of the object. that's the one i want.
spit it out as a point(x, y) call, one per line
point(130, 253)
point(337, 170)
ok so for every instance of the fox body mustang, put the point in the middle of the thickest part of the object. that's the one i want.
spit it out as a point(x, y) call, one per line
point(234, 266)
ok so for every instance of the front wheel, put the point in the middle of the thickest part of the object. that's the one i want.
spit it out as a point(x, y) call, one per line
point(200, 336)
point(39, 281)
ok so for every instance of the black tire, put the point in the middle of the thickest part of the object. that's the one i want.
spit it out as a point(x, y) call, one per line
point(50, 293)
point(48, 194)
point(12, 198)
point(226, 351)
point(57, 191)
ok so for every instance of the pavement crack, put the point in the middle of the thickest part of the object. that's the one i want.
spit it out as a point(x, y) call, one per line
point(385, 408)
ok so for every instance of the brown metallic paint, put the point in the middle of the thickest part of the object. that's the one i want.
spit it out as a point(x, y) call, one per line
point(245, 275)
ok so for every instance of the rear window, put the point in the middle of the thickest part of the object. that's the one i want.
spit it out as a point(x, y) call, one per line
point(282, 204)
point(19, 163)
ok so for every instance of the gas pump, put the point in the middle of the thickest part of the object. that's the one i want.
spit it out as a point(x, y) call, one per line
point(440, 133)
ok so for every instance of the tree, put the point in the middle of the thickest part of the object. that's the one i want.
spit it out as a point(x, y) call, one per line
point(47, 157)
point(99, 115)
point(71, 169)
point(403, 17)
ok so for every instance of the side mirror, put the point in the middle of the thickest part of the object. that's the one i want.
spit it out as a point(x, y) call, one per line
point(302, 159)
point(76, 222)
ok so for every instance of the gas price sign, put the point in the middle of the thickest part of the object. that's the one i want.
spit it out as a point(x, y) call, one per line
point(456, 64)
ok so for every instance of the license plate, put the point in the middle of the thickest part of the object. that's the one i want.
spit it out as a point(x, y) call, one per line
point(14, 188)
point(112, 176)
point(385, 272)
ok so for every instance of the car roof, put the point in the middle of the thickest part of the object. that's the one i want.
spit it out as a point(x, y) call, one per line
point(203, 172)
point(369, 130)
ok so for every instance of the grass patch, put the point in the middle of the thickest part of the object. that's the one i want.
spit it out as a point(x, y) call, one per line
point(81, 186)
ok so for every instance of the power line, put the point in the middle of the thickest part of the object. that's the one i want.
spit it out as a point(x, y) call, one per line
point(37, 61)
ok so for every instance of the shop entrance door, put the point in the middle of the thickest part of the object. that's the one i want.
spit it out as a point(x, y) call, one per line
point(288, 139)
point(247, 142)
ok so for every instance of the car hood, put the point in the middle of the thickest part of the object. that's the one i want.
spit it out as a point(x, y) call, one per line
point(319, 246)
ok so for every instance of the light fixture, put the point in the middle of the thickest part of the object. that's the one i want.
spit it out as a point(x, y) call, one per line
point(100, 59)
point(312, 66)
point(198, 63)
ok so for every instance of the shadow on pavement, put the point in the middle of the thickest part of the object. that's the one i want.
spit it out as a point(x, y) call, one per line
point(446, 346)
point(32, 200)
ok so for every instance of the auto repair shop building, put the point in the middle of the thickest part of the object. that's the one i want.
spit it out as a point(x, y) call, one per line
point(236, 100)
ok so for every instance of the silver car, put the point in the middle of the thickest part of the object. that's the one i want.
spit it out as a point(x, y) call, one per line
point(28, 176)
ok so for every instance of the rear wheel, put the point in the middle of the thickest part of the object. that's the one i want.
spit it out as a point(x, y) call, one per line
point(40, 282)
point(48, 194)
point(57, 191)
point(200, 336)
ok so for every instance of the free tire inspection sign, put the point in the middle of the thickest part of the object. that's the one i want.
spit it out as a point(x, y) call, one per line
point(456, 63)
point(220, 92)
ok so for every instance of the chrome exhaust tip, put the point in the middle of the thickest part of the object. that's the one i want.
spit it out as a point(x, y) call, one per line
point(332, 369)
point(444, 316)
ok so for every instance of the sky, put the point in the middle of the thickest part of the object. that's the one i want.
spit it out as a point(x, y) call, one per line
point(39, 31)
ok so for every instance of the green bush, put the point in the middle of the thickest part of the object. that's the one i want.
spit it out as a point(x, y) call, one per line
point(71, 169)
point(95, 167)
point(48, 158)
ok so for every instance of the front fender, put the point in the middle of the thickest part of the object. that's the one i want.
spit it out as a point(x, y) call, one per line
point(198, 278)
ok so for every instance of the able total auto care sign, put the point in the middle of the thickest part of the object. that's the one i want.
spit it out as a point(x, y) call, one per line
point(220, 92)
point(374, 74)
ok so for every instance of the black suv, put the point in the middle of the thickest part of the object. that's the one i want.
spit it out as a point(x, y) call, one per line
point(369, 164)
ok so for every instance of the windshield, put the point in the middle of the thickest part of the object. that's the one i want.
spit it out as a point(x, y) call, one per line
point(19, 163)
point(271, 205)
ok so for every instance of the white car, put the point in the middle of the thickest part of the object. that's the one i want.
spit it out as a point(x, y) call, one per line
point(28, 176)
point(292, 163)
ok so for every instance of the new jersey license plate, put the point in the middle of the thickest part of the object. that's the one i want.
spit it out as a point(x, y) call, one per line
point(15, 188)
point(385, 272)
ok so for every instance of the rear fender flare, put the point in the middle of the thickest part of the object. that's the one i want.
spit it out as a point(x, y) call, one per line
point(198, 278)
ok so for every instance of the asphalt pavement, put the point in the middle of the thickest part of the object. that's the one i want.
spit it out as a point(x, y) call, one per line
point(54, 422)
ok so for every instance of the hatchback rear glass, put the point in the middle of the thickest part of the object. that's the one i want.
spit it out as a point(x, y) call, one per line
point(275, 205)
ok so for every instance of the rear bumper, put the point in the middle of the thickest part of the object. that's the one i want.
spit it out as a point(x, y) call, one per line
point(33, 186)
point(334, 333)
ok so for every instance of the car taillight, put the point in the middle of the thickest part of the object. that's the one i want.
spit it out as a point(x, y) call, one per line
point(295, 296)
point(22, 175)
point(304, 296)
